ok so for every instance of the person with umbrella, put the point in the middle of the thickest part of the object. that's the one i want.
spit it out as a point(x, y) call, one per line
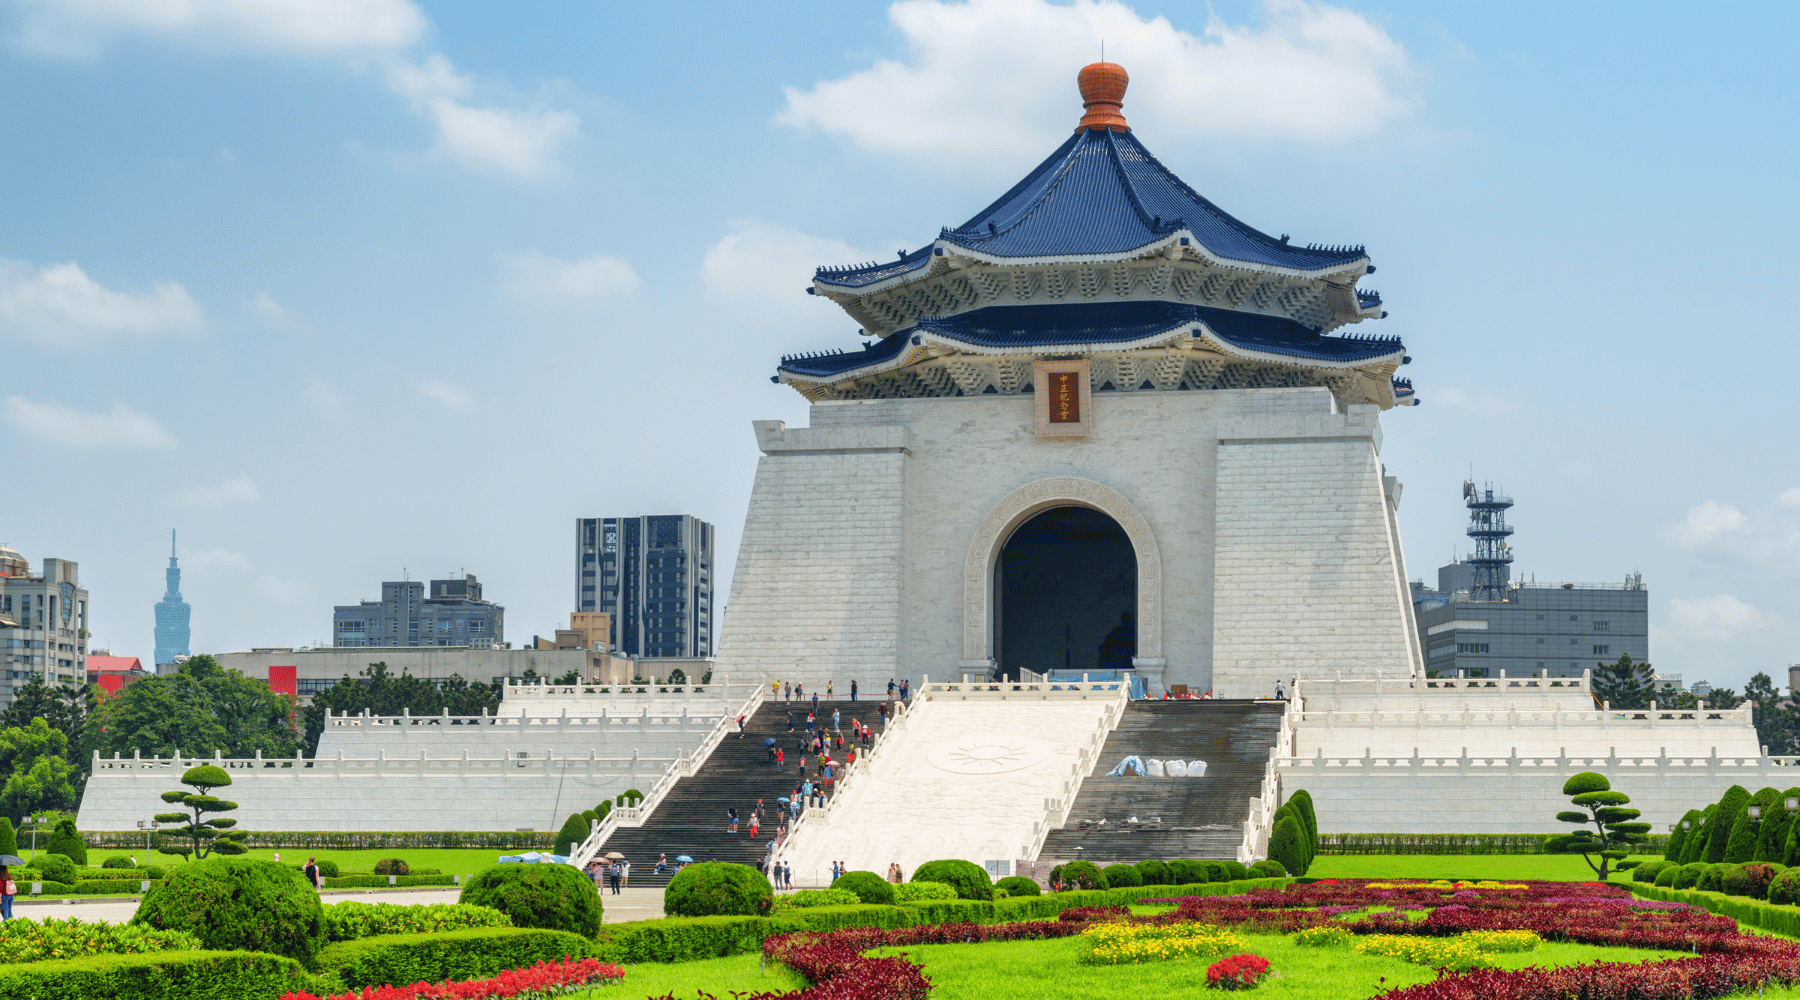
point(769, 745)
point(8, 888)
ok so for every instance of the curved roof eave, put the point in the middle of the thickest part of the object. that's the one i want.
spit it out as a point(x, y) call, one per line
point(942, 248)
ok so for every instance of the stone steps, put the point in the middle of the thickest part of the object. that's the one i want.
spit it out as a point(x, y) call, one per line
point(1201, 818)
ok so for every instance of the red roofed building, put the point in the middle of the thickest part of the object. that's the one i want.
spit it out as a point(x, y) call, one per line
point(114, 672)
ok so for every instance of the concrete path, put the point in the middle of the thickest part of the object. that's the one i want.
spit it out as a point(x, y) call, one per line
point(629, 904)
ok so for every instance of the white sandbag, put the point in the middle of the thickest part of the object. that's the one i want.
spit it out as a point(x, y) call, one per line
point(1175, 768)
point(1154, 768)
point(1196, 769)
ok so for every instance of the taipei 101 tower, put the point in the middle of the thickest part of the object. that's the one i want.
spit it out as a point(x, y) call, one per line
point(171, 617)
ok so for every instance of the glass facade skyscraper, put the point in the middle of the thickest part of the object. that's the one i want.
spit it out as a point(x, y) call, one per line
point(172, 614)
point(654, 575)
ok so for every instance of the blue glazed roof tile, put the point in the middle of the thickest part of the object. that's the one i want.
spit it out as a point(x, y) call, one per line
point(1015, 327)
point(1101, 193)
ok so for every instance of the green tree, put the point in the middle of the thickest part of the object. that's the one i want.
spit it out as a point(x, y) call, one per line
point(200, 710)
point(1731, 806)
point(1625, 683)
point(380, 692)
point(66, 841)
point(1302, 804)
point(1693, 849)
point(1774, 723)
point(1740, 848)
point(206, 834)
point(64, 708)
point(34, 769)
point(1614, 826)
point(9, 841)
point(1771, 839)
point(1678, 837)
point(573, 834)
point(1287, 843)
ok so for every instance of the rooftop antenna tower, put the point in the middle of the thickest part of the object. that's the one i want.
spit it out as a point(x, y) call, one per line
point(1493, 558)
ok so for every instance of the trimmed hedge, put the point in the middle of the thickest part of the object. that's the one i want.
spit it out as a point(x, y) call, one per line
point(352, 921)
point(913, 892)
point(718, 888)
point(1454, 843)
point(1154, 872)
point(179, 975)
point(550, 896)
point(1267, 869)
point(870, 887)
point(237, 902)
point(1781, 919)
point(433, 957)
point(1017, 886)
point(969, 879)
point(1078, 875)
point(1122, 876)
point(371, 840)
point(381, 881)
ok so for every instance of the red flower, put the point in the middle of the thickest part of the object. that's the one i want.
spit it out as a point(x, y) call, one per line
point(1239, 972)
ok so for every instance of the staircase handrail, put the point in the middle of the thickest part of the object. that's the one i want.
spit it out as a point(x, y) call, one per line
point(821, 814)
point(684, 765)
point(1056, 810)
point(1258, 824)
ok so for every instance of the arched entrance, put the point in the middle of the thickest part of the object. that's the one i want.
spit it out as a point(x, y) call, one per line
point(1066, 589)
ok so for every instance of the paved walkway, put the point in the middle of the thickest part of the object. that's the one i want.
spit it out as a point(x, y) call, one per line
point(629, 904)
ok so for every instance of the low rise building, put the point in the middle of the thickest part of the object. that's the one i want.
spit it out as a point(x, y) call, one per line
point(454, 614)
point(112, 673)
point(314, 670)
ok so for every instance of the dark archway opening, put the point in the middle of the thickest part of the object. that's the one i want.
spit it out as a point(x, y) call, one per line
point(1067, 589)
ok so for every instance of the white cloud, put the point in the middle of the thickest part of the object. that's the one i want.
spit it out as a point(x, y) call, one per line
point(1484, 404)
point(271, 310)
point(81, 29)
point(760, 271)
point(447, 396)
point(279, 591)
point(536, 278)
point(242, 489)
point(122, 427)
point(1704, 524)
point(1719, 618)
point(991, 75)
point(58, 305)
point(214, 561)
point(514, 141)
point(321, 397)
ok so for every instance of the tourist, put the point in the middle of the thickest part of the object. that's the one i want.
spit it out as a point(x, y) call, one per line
point(624, 873)
point(613, 875)
point(311, 872)
point(741, 727)
point(276, 859)
point(851, 758)
point(787, 692)
point(905, 687)
point(731, 820)
point(754, 823)
point(779, 757)
point(890, 687)
point(852, 689)
point(790, 716)
point(815, 702)
point(8, 889)
point(774, 689)
point(787, 874)
point(662, 863)
point(828, 694)
point(1279, 694)
point(837, 720)
point(597, 872)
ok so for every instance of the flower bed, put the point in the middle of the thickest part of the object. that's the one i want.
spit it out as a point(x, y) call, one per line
point(1125, 943)
point(1239, 972)
point(25, 940)
point(545, 979)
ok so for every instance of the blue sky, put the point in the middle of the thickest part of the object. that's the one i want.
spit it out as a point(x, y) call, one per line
point(342, 288)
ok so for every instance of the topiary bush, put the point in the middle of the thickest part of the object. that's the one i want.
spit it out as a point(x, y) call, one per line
point(1154, 872)
point(1019, 885)
point(1688, 876)
point(1785, 888)
point(1184, 871)
point(1754, 882)
point(54, 868)
point(1648, 871)
point(1302, 805)
point(552, 896)
point(1121, 876)
point(1267, 869)
point(1215, 870)
point(353, 921)
point(1287, 845)
point(9, 842)
point(1731, 808)
point(1235, 870)
point(1667, 875)
point(869, 887)
point(919, 892)
point(391, 866)
point(717, 888)
point(573, 834)
point(119, 862)
point(238, 904)
point(1080, 875)
point(968, 878)
point(808, 898)
point(67, 842)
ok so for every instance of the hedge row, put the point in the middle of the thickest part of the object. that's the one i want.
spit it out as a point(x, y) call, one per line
point(381, 881)
point(686, 939)
point(476, 953)
point(1767, 916)
point(178, 975)
point(1454, 843)
point(332, 840)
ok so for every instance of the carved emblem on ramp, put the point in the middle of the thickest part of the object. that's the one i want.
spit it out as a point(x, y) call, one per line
point(987, 754)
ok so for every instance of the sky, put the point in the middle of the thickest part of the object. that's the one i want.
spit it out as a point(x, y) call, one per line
point(345, 289)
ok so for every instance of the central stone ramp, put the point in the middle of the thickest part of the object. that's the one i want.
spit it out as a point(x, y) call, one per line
point(1200, 817)
point(965, 773)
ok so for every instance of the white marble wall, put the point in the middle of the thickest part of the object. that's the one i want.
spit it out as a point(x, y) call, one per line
point(860, 526)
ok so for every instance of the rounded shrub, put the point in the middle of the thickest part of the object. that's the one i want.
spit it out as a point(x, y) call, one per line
point(1185, 871)
point(1648, 871)
point(55, 868)
point(1083, 875)
point(238, 904)
point(1785, 889)
point(119, 862)
point(1235, 870)
point(1215, 870)
point(552, 896)
point(718, 889)
point(968, 878)
point(1712, 877)
point(1154, 872)
point(1121, 876)
point(1688, 876)
point(1019, 885)
point(392, 866)
point(1755, 881)
point(67, 842)
point(1667, 876)
point(869, 887)
point(1267, 869)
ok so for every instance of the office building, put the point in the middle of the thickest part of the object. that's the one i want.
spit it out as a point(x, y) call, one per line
point(1479, 622)
point(452, 613)
point(654, 576)
point(50, 612)
point(172, 615)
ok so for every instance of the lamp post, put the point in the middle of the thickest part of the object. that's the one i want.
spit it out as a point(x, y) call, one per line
point(36, 821)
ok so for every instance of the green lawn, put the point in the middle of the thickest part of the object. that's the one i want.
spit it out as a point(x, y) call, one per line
point(718, 976)
point(1549, 867)
point(447, 860)
point(1051, 970)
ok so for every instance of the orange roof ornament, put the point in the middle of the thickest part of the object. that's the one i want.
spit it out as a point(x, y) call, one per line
point(1102, 92)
